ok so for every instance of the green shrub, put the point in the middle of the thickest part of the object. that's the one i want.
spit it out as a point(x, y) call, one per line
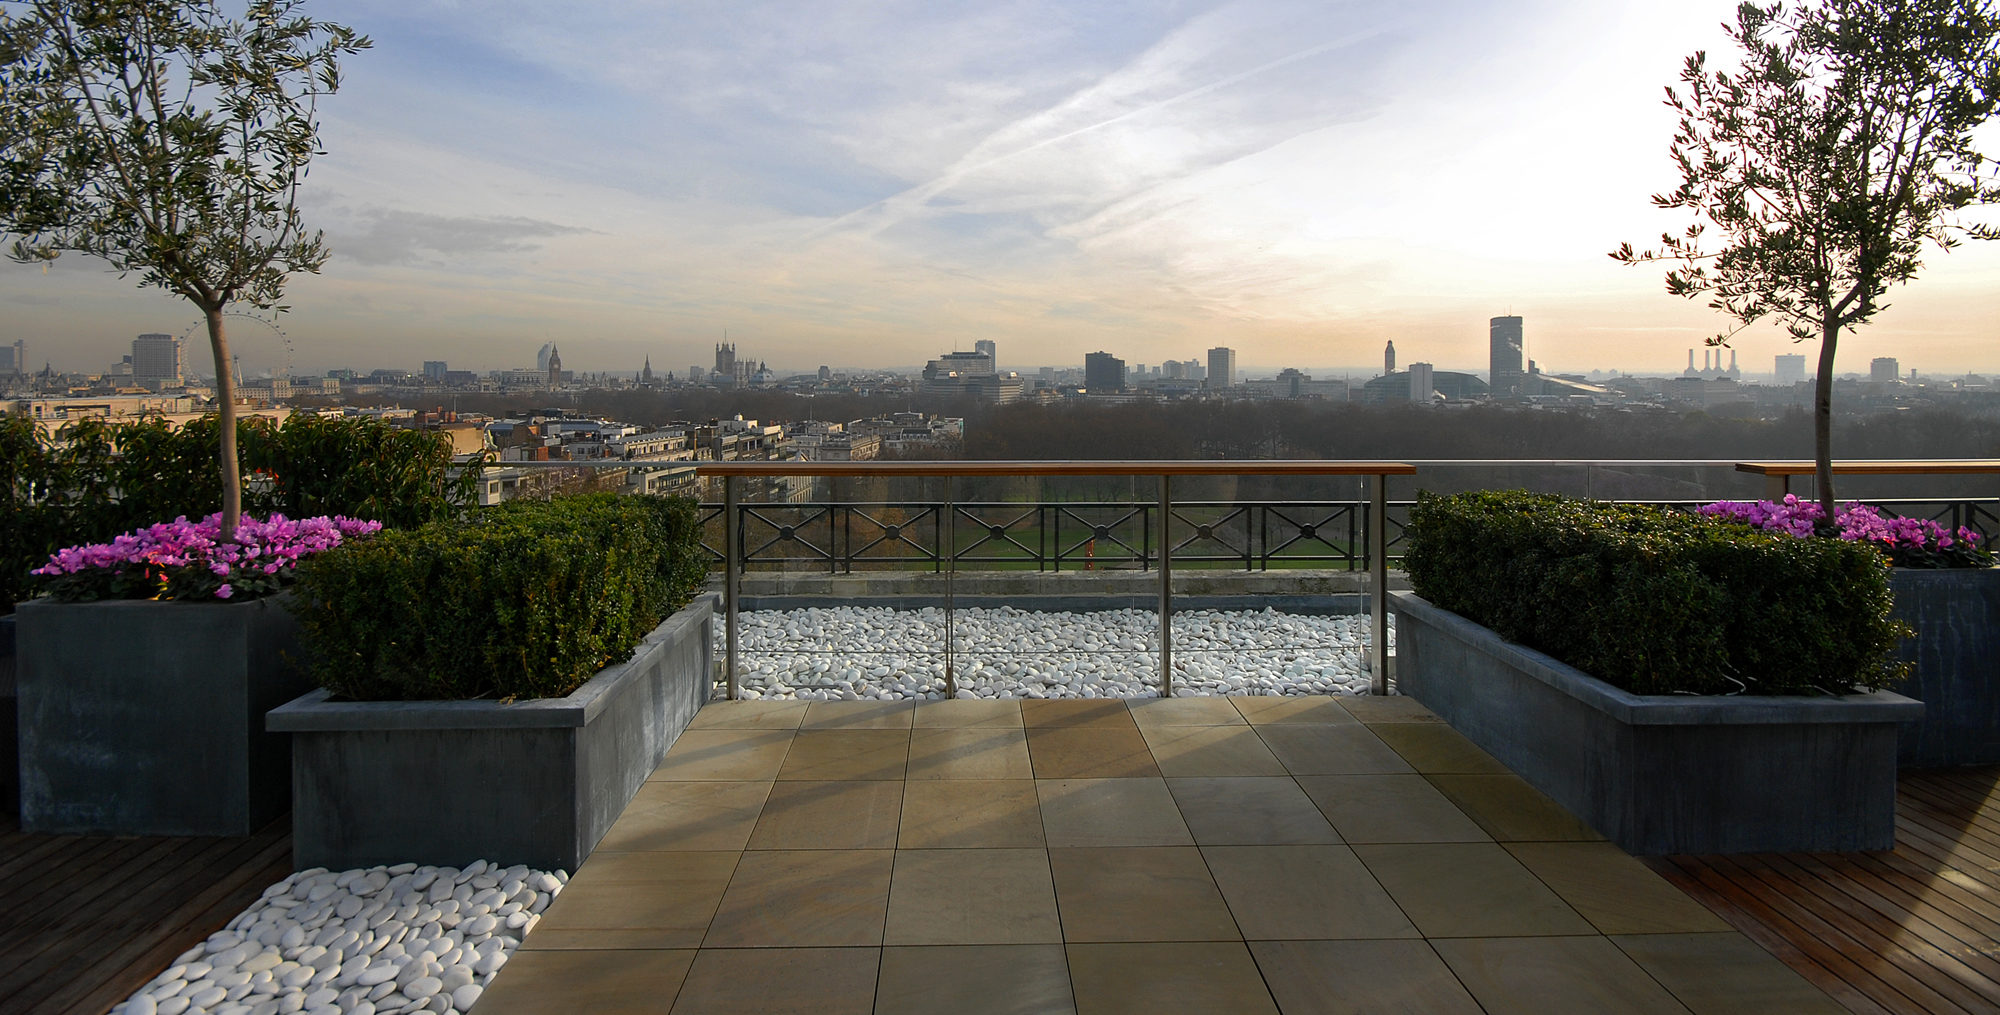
point(101, 478)
point(1659, 602)
point(524, 600)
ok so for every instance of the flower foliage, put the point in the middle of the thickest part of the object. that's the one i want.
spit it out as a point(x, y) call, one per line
point(1908, 542)
point(189, 560)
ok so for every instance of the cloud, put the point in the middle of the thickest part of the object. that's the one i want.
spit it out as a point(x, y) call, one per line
point(391, 236)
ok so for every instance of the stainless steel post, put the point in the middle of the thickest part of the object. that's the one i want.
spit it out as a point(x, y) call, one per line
point(1378, 580)
point(1166, 589)
point(950, 550)
point(732, 573)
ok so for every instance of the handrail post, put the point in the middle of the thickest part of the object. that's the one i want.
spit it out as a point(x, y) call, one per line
point(1378, 575)
point(950, 549)
point(1166, 588)
point(732, 574)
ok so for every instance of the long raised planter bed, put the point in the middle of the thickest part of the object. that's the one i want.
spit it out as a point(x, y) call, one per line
point(140, 717)
point(1663, 774)
point(534, 782)
point(1956, 652)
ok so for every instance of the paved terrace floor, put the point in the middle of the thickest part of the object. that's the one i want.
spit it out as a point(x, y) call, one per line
point(1227, 855)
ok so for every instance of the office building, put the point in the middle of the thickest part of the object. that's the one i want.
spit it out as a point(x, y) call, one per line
point(1789, 369)
point(157, 361)
point(986, 347)
point(1884, 368)
point(14, 358)
point(1103, 373)
point(434, 371)
point(1221, 367)
point(1422, 380)
point(1504, 373)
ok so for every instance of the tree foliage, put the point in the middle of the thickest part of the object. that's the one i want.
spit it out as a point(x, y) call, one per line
point(1839, 148)
point(170, 139)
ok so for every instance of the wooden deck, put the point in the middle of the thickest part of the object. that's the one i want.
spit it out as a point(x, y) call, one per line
point(1912, 930)
point(86, 920)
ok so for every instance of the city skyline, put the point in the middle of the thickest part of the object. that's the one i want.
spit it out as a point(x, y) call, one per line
point(1298, 181)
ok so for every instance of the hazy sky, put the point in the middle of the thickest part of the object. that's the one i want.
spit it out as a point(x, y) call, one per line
point(876, 184)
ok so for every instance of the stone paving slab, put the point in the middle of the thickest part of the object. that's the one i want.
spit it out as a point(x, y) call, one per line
point(1230, 855)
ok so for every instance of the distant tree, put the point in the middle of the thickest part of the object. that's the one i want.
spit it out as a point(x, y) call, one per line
point(1840, 147)
point(168, 138)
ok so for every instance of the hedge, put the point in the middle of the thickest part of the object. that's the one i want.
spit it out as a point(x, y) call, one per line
point(100, 478)
point(1659, 602)
point(523, 600)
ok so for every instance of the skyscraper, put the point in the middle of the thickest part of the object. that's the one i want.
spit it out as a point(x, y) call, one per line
point(14, 358)
point(1884, 368)
point(1505, 373)
point(1389, 358)
point(1103, 373)
point(986, 346)
point(1789, 369)
point(1221, 367)
point(157, 362)
point(434, 370)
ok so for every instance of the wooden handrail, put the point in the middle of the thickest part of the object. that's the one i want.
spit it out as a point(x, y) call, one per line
point(1884, 467)
point(1778, 475)
point(1163, 467)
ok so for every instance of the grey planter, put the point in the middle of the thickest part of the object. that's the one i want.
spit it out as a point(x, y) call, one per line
point(1956, 652)
point(147, 718)
point(1662, 774)
point(10, 754)
point(448, 782)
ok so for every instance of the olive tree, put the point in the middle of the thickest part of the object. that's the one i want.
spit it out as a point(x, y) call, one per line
point(169, 138)
point(1827, 161)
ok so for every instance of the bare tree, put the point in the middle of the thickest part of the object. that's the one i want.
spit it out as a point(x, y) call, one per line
point(170, 139)
point(1827, 161)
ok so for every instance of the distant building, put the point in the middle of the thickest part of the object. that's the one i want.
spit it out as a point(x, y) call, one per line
point(434, 370)
point(1221, 367)
point(726, 373)
point(1389, 358)
point(1504, 360)
point(970, 375)
point(1789, 369)
point(157, 361)
point(542, 356)
point(1884, 369)
point(554, 367)
point(14, 358)
point(1422, 381)
point(1103, 373)
point(1395, 387)
point(985, 345)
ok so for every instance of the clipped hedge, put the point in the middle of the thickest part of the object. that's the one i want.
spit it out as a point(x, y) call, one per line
point(523, 600)
point(1659, 602)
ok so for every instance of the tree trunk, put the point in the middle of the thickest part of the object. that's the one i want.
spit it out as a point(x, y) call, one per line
point(225, 397)
point(1823, 423)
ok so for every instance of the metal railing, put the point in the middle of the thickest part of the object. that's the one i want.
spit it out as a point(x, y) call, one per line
point(1163, 472)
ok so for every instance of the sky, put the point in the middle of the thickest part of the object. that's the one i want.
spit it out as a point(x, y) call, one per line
point(872, 185)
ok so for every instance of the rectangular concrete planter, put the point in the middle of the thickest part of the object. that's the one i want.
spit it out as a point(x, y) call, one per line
point(1662, 774)
point(448, 782)
point(1956, 652)
point(147, 718)
point(10, 753)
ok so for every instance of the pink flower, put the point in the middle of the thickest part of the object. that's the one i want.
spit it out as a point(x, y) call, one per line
point(225, 591)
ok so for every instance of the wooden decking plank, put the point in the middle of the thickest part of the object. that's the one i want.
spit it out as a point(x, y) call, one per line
point(152, 902)
point(1979, 925)
point(1878, 956)
point(1775, 934)
point(1943, 812)
point(1930, 938)
point(1920, 841)
point(116, 974)
point(1805, 933)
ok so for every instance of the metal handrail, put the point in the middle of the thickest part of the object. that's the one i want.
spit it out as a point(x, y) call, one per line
point(1377, 472)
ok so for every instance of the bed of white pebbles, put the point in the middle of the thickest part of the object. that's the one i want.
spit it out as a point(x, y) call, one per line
point(359, 942)
point(854, 652)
